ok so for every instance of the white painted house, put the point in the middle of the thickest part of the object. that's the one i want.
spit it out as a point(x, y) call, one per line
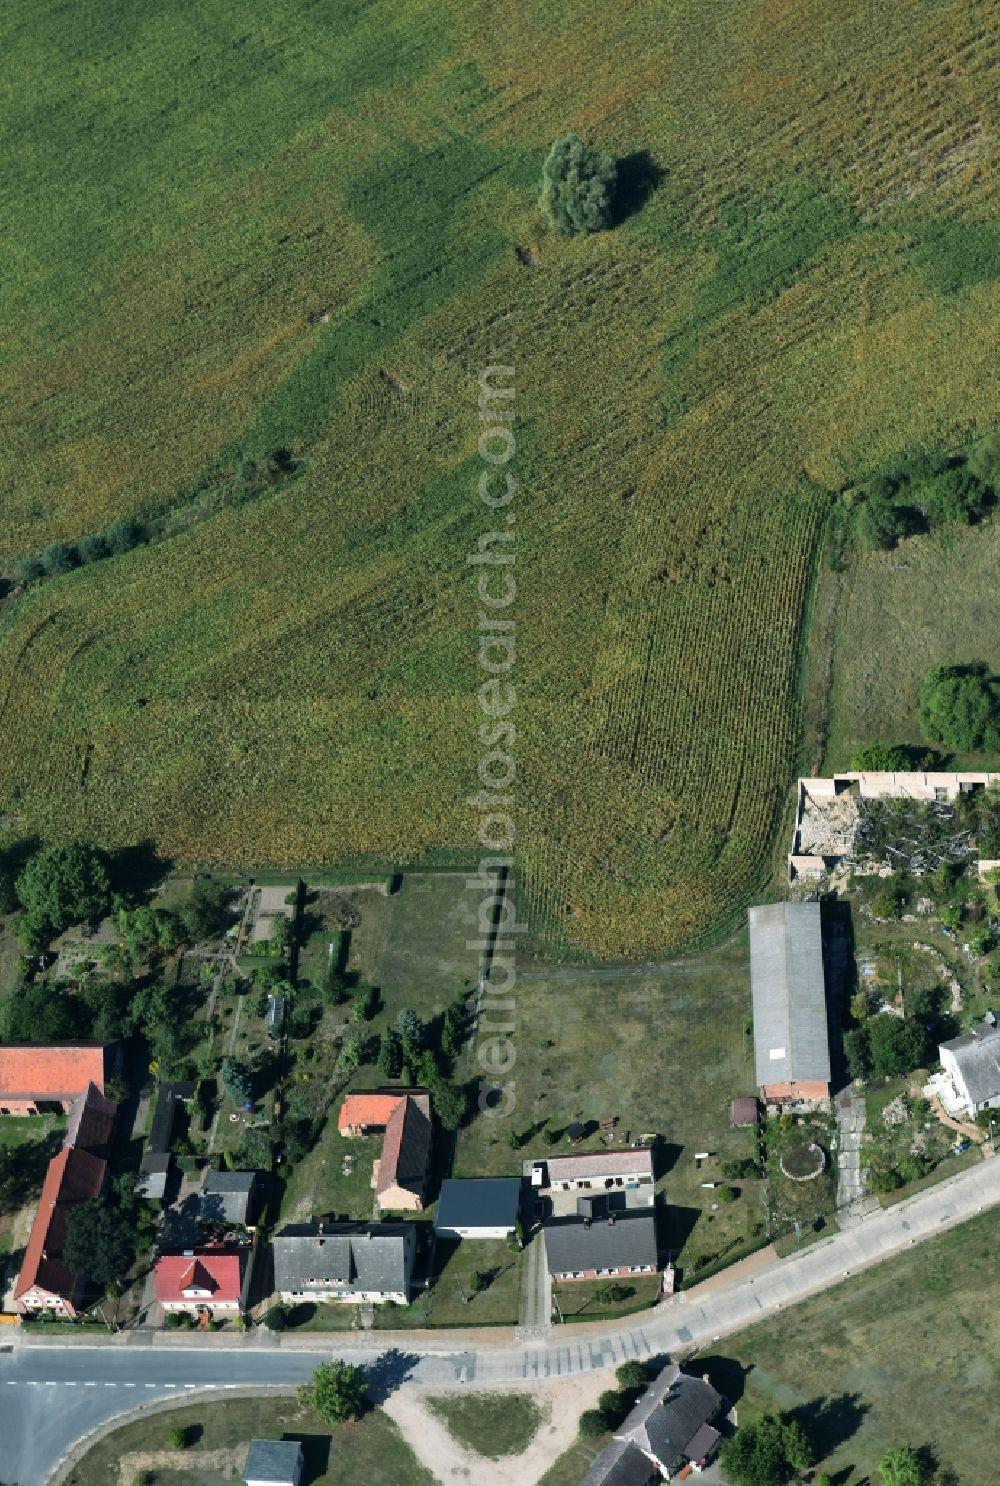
point(972, 1066)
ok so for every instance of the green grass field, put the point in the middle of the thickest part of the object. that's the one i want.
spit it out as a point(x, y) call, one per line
point(231, 232)
point(861, 1362)
point(370, 1449)
point(936, 603)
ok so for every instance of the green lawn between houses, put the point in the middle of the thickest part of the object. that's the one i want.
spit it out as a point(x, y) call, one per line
point(369, 1450)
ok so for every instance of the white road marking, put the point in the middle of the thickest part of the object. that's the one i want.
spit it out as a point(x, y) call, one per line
point(90, 1385)
point(129, 1385)
point(149, 1385)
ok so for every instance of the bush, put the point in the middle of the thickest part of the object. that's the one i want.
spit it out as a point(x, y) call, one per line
point(890, 758)
point(92, 548)
point(178, 1437)
point(578, 187)
point(172, 1320)
point(960, 707)
point(881, 523)
point(953, 495)
point(28, 568)
point(57, 558)
point(276, 1319)
point(631, 1375)
point(727, 1194)
point(122, 536)
point(593, 1424)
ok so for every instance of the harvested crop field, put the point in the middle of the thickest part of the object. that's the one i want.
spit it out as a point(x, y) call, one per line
point(234, 232)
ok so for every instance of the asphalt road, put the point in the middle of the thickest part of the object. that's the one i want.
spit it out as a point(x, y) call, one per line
point(50, 1396)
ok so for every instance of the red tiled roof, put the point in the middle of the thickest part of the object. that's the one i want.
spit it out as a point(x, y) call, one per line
point(61, 1071)
point(406, 1150)
point(218, 1272)
point(73, 1176)
point(371, 1110)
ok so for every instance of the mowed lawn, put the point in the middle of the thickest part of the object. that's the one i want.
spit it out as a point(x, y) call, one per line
point(238, 230)
point(370, 1450)
point(665, 1054)
point(906, 1354)
point(931, 602)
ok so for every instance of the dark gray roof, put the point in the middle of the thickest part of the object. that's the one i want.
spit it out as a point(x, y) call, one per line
point(228, 1197)
point(620, 1463)
point(670, 1416)
point(978, 1057)
point(570, 1243)
point(344, 1256)
point(273, 1460)
point(485, 1202)
point(162, 1129)
point(789, 995)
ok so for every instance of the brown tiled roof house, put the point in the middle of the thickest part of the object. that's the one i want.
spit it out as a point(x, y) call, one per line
point(36, 1079)
point(402, 1171)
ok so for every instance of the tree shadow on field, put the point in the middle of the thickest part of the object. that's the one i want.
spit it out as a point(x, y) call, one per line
point(638, 177)
point(138, 869)
point(831, 1422)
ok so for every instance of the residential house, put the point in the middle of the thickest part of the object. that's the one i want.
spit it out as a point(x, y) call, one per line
point(231, 1198)
point(674, 1423)
point(597, 1169)
point(45, 1283)
point(621, 1464)
point(486, 1207)
point(208, 1279)
point(606, 1238)
point(971, 1064)
point(345, 1262)
point(401, 1174)
point(791, 1042)
point(274, 1463)
point(368, 1113)
point(154, 1168)
point(37, 1079)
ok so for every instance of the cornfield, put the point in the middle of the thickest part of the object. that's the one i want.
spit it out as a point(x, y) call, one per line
point(330, 238)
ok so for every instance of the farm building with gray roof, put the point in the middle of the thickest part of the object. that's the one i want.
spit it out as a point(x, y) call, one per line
point(791, 1042)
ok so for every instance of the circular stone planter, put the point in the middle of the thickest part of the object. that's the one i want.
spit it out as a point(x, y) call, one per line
point(803, 1163)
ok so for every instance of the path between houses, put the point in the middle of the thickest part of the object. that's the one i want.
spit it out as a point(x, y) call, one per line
point(853, 1202)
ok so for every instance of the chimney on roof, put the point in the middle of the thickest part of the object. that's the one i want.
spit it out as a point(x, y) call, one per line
point(706, 1379)
point(611, 1220)
point(586, 1222)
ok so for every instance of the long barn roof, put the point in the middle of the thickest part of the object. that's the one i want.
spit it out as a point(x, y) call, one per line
point(791, 1042)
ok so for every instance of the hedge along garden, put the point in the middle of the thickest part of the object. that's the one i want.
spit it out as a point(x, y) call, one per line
point(316, 249)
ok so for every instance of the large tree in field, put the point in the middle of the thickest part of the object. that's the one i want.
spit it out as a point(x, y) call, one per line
point(338, 1391)
point(578, 186)
point(960, 707)
point(63, 885)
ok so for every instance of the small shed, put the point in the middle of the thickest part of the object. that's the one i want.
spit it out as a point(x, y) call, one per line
point(744, 1112)
point(274, 1463)
point(274, 1018)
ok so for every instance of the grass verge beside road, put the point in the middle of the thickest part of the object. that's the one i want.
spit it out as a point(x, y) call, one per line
point(369, 1449)
point(905, 1353)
